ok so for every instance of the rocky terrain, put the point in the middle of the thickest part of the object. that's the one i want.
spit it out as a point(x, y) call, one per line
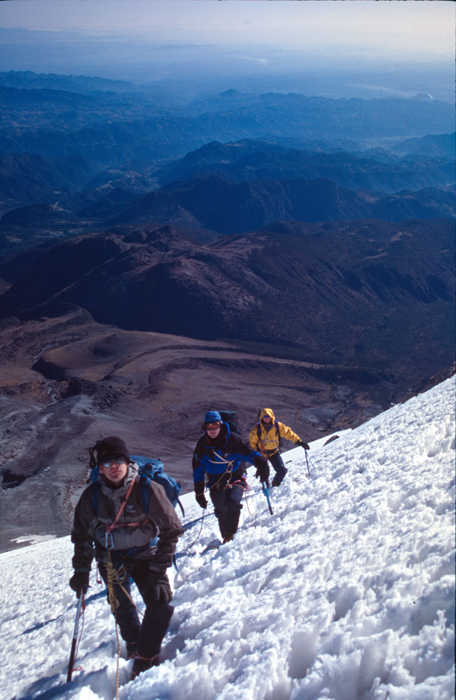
point(66, 381)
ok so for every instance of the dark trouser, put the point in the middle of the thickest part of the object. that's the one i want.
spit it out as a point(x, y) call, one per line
point(227, 508)
point(279, 467)
point(149, 635)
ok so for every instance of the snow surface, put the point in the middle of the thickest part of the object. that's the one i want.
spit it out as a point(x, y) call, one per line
point(346, 592)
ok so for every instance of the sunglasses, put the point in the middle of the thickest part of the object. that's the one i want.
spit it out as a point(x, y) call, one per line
point(115, 460)
point(212, 426)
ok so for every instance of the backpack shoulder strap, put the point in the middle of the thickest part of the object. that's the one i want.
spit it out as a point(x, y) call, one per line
point(144, 482)
point(96, 495)
point(279, 437)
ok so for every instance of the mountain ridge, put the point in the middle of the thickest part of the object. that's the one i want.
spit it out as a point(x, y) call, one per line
point(213, 202)
point(334, 276)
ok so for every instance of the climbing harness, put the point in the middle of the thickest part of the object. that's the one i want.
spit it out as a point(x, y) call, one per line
point(269, 453)
point(109, 540)
point(228, 471)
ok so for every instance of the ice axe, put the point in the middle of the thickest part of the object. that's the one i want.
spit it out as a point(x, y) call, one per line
point(266, 493)
point(307, 462)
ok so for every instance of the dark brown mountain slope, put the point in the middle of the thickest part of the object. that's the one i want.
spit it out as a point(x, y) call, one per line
point(371, 293)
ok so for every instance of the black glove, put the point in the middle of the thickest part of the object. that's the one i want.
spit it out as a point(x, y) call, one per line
point(158, 585)
point(201, 500)
point(79, 582)
point(301, 443)
point(199, 494)
point(262, 469)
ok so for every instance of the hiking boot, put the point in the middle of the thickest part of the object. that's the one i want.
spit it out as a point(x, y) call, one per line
point(227, 538)
point(141, 664)
point(131, 650)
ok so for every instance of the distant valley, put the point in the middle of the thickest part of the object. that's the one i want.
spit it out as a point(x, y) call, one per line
point(77, 154)
point(222, 189)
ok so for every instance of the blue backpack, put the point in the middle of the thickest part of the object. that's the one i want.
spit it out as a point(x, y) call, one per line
point(149, 470)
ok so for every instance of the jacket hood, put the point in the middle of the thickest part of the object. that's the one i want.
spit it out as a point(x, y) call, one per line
point(267, 412)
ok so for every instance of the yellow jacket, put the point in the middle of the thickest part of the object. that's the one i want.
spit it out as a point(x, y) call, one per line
point(268, 441)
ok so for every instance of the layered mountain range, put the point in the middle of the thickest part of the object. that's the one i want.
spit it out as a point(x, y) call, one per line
point(99, 152)
point(26, 178)
point(55, 122)
point(214, 192)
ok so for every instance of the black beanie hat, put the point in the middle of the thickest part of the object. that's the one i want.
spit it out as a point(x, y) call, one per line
point(107, 449)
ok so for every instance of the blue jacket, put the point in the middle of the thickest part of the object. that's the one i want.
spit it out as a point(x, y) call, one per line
point(222, 460)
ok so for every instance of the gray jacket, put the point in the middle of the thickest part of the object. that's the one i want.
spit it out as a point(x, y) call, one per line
point(132, 539)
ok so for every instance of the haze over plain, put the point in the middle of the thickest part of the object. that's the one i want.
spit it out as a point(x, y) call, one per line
point(336, 49)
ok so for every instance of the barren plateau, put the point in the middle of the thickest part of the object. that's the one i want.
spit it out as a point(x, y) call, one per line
point(67, 381)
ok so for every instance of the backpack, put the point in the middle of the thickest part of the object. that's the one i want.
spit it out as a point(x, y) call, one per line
point(149, 470)
point(230, 417)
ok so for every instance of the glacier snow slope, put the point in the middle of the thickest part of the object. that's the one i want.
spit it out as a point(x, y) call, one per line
point(346, 592)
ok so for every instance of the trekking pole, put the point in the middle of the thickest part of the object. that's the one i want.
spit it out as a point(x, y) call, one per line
point(307, 462)
point(75, 636)
point(266, 493)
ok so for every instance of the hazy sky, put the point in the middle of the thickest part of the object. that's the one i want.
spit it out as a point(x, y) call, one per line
point(402, 30)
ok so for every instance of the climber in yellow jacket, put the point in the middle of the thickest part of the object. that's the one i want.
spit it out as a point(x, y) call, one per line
point(266, 436)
